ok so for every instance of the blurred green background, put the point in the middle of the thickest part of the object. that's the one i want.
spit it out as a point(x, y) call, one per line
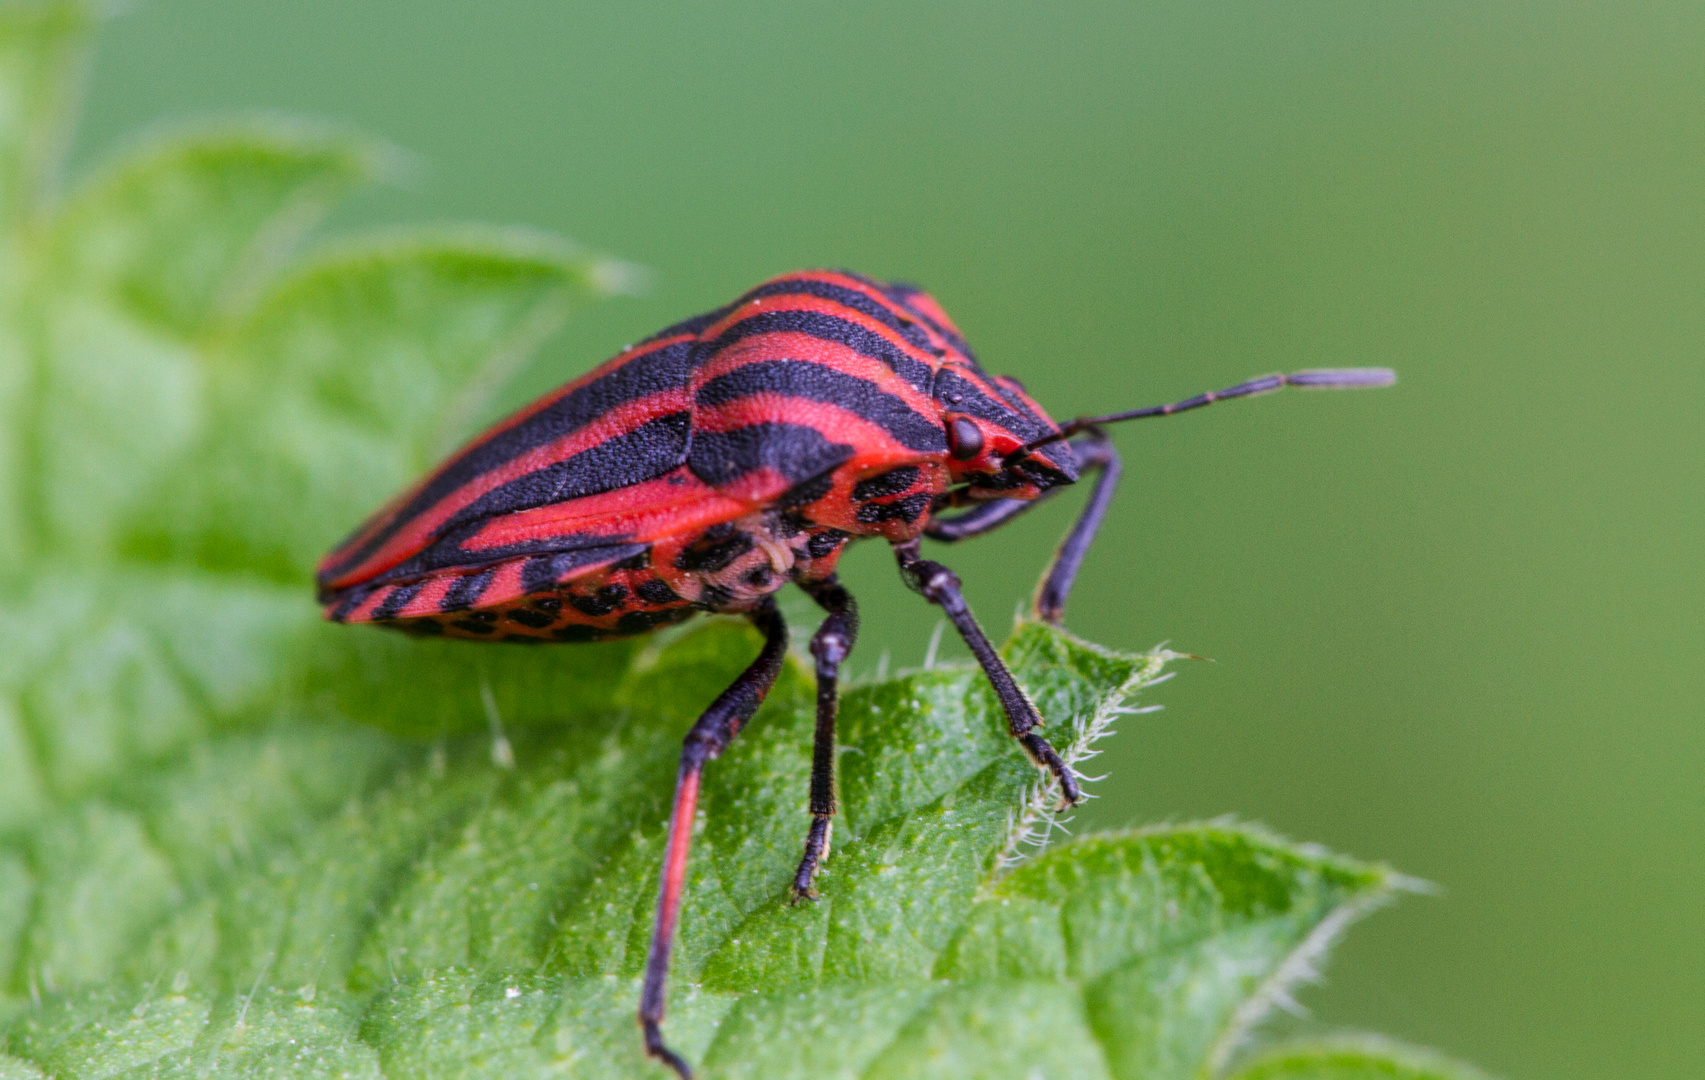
point(1457, 624)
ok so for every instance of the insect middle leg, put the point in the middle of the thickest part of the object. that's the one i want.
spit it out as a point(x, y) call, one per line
point(939, 585)
point(708, 738)
point(1093, 452)
point(830, 646)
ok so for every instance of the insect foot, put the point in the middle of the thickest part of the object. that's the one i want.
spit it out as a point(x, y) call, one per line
point(940, 586)
point(831, 645)
point(1047, 758)
point(655, 1046)
point(816, 850)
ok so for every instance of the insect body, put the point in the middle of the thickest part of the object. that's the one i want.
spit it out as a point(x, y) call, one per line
point(709, 466)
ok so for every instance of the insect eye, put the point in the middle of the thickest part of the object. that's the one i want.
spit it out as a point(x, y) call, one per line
point(965, 439)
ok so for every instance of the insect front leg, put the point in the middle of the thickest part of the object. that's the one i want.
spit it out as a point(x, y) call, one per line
point(708, 738)
point(940, 586)
point(830, 646)
point(1093, 452)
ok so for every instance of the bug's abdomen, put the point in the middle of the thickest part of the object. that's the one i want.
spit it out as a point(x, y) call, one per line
point(617, 427)
point(604, 605)
point(626, 562)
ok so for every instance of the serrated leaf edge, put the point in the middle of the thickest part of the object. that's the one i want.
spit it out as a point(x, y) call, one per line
point(1038, 816)
point(1300, 967)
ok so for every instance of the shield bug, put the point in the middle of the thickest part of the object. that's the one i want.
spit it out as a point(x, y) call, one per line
point(708, 466)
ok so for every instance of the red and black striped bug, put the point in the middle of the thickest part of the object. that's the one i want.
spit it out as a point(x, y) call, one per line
point(705, 468)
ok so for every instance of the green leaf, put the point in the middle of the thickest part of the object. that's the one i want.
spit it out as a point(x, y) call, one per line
point(408, 881)
point(236, 841)
point(125, 294)
point(183, 229)
point(42, 47)
point(1355, 1057)
point(350, 377)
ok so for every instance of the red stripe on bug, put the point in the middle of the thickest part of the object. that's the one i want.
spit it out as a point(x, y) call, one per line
point(875, 449)
point(615, 363)
point(925, 304)
point(819, 306)
point(506, 584)
point(429, 600)
point(363, 612)
point(793, 345)
point(675, 502)
point(916, 303)
point(421, 531)
point(381, 520)
point(681, 821)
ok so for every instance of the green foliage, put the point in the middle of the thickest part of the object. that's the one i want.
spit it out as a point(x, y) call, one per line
point(236, 842)
point(1359, 1057)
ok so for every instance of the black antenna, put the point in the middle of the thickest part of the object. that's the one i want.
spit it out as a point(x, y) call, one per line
point(1313, 379)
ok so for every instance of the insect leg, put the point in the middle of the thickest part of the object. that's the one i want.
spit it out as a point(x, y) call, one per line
point(830, 645)
point(1094, 452)
point(708, 738)
point(982, 518)
point(940, 586)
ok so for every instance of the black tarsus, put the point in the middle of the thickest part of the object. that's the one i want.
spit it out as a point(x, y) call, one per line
point(830, 646)
point(709, 737)
point(940, 586)
point(1049, 604)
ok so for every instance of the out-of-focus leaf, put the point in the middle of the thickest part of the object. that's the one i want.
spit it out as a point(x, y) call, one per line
point(185, 228)
point(123, 294)
point(1355, 1057)
point(347, 381)
point(42, 47)
point(161, 348)
point(108, 674)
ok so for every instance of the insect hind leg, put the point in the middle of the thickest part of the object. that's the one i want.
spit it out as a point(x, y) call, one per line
point(830, 647)
point(940, 586)
point(707, 740)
